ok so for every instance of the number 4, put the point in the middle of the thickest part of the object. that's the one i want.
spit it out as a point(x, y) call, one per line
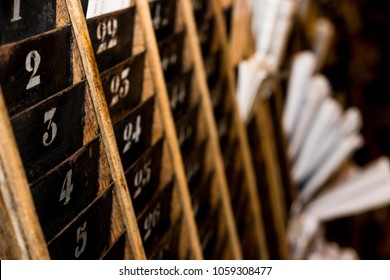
point(67, 188)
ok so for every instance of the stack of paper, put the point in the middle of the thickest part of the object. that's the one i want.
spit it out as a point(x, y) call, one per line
point(271, 24)
point(321, 139)
point(321, 135)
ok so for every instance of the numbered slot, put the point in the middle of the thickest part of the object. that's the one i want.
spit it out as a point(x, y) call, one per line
point(206, 35)
point(200, 8)
point(51, 131)
point(88, 235)
point(171, 53)
point(61, 194)
point(156, 219)
point(194, 165)
point(213, 68)
point(179, 91)
point(123, 85)
point(35, 69)
point(228, 14)
point(112, 37)
point(201, 198)
point(134, 132)
point(20, 19)
point(163, 16)
point(117, 251)
point(169, 247)
point(186, 129)
point(209, 237)
point(143, 178)
point(218, 96)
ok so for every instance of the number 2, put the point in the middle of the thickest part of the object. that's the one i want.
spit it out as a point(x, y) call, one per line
point(16, 12)
point(81, 235)
point(33, 60)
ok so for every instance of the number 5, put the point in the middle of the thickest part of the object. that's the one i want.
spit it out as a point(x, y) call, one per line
point(81, 235)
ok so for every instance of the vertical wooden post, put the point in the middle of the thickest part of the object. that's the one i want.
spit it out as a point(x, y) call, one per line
point(242, 136)
point(103, 118)
point(207, 109)
point(262, 115)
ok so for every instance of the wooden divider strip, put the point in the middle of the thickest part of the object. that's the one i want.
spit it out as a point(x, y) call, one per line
point(103, 118)
point(169, 125)
point(207, 109)
point(262, 114)
point(254, 197)
point(16, 194)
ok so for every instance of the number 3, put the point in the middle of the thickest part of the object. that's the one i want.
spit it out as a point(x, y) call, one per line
point(49, 115)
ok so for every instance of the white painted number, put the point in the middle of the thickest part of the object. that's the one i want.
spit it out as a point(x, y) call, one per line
point(151, 221)
point(120, 86)
point(16, 12)
point(52, 126)
point(193, 170)
point(169, 59)
point(157, 21)
point(107, 34)
point(185, 134)
point(157, 17)
point(81, 236)
point(142, 178)
point(131, 134)
point(178, 95)
point(67, 188)
point(33, 60)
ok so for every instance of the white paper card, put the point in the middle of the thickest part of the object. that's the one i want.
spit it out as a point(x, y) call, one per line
point(101, 7)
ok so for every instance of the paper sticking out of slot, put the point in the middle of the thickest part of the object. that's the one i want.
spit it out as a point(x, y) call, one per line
point(366, 190)
point(324, 32)
point(251, 74)
point(302, 70)
point(324, 122)
point(266, 30)
point(283, 26)
point(351, 123)
point(271, 24)
point(101, 7)
point(321, 249)
point(318, 89)
point(335, 159)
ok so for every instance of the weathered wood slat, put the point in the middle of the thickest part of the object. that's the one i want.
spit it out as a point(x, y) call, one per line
point(103, 118)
